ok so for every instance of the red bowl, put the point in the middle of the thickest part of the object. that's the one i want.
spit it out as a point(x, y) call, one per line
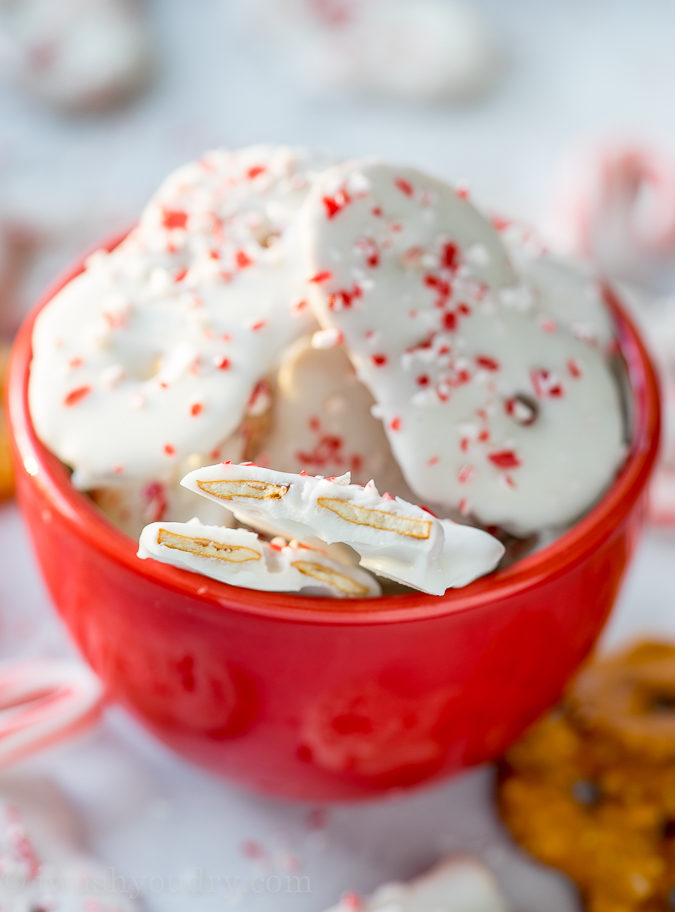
point(321, 699)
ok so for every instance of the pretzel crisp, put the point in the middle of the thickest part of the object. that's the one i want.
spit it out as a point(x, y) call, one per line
point(459, 884)
point(393, 538)
point(493, 407)
point(241, 558)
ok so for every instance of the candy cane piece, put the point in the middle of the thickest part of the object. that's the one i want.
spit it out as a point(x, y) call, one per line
point(43, 703)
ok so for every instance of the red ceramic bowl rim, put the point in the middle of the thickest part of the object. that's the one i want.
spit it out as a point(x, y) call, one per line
point(215, 597)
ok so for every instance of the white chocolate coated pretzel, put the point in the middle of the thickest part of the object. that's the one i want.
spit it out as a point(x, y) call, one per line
point(490, 406)
point(393, 538)
point(567, 291)
point(42, 865)
point(152, 354)
point(460, 884)
point(322, 421)
point(241, 558)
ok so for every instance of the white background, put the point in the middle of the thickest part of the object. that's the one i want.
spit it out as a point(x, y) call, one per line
point(579, 69)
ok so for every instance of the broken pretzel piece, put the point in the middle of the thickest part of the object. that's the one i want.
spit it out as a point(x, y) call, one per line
point(393, 538)
point(241, 558)
point(460, 884)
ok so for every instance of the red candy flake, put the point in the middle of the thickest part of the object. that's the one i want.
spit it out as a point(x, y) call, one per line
point(196, 409)
point(377, 211)
point(395, 424)
point(449, 255)
point(180, 275)
point(404, 186)
point(174, 218)
point(464, 309)
point(114, 320)
point(465, 474)
point(544, 385)
point(462, 193)
point(486, 362)
point(76, 395)
point(75, 362)
point(450, 321)
point(222, 364)
point(548, 325)
point(155, 501)
point(433, 460)
point(243, 259)
point(574, 369)
point(261, 324)
point(255, 171)
point(169, 449)
point(335, 204)
point(320, 277)
point(423, 380)
point(504, 459)
point(252, 849)
point(371, 253)
point(379, 360)
point(344, 298)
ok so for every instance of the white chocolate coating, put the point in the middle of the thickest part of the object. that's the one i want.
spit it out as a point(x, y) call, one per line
point(568, 291)
point(460, 884)
point(490, 406)
point(421, 51)
point(42, 865)
point(75, 55)
point(153, 353)
point(393, 538)
point(241, 558)
point(322, 421)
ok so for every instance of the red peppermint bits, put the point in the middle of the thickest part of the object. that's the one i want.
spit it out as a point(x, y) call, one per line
point(174, 218)
point(395, 424)
point(465, 474)
point(76, 395)
point(573, 369)
point(242, 259)
point(423, 380)
point(320, 277)
point(544, 385)
point(75, 362)
point(449, 256)
point(335, 204)
point(449, 321)
point(504, 459)
point(169, 449)
point(222, 364)
point(261, 324)
point(379, 360)
point(404, 186)
point(196, 409)
point(487, 363)
point(255, 171)
point(180, 275)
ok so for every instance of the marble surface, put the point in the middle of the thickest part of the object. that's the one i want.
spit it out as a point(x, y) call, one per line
point(578, 69)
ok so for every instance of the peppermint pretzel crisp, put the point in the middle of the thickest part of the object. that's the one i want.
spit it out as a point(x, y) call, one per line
point(240, 557)
point(490, 407)
point(153, 352)
point(393, 538)
point(459, 884)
